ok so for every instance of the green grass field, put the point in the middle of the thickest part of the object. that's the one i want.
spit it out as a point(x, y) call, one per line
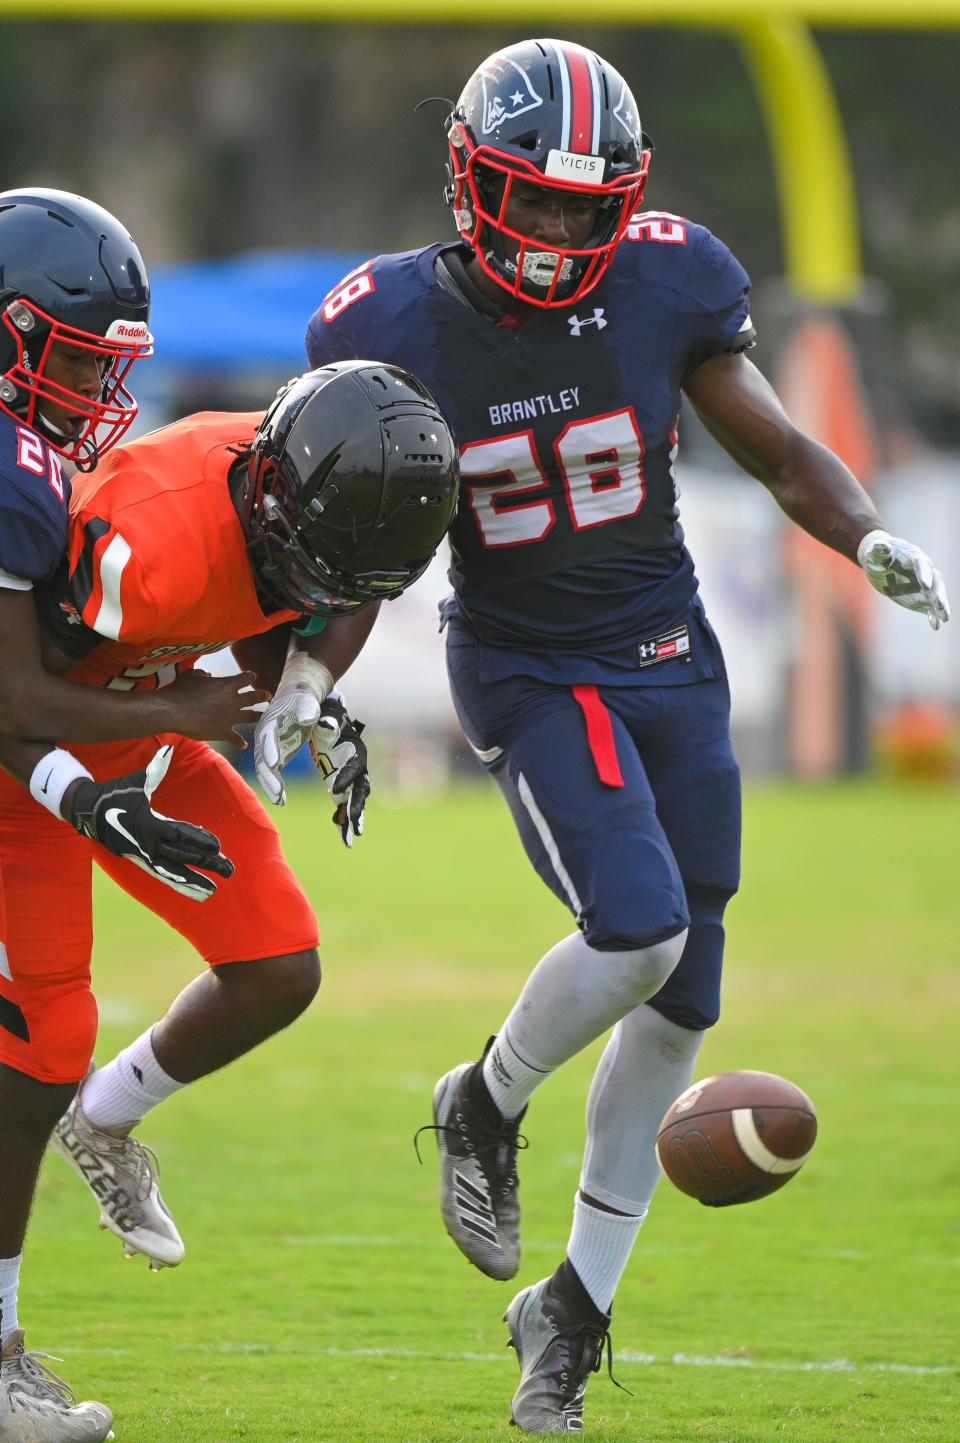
point(321, 1298)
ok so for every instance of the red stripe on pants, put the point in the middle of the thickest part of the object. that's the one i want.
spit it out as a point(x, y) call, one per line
point(603, 748)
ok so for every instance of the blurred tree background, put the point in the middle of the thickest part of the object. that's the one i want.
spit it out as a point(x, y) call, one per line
point(214, 139)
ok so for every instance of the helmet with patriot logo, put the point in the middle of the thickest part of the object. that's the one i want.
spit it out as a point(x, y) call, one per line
point(558, 116)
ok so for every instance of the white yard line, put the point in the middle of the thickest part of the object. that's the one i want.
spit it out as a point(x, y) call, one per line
point(678, 1360)
point(650, 1250)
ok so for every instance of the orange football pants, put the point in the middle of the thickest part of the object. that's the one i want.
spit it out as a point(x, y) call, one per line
point(48, 1015)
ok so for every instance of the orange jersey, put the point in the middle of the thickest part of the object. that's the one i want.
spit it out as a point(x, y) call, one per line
point(157, 570)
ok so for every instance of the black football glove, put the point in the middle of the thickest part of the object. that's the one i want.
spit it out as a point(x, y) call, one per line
point(118, 815)
point(341, 757)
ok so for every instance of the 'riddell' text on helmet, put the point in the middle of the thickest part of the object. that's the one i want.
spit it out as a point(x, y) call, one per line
point(71, 282)
point(557, 116)
point(350, 486)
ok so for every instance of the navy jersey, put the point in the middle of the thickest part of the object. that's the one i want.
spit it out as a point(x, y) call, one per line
point(34, 502)
point(567, 539)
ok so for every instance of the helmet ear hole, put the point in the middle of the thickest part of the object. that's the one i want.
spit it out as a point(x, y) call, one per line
point(491, 185)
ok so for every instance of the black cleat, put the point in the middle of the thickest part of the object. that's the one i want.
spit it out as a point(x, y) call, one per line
point(479, 1186)
point(559, 1336)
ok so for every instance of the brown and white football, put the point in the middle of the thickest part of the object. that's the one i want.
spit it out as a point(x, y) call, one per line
point(736, 1137)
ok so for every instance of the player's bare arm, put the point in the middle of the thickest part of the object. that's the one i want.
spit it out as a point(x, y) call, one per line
point(336, 647)
point(810, 483)
point(341, 641)
point(743, 413)
point(264, 655)
point(39, 706)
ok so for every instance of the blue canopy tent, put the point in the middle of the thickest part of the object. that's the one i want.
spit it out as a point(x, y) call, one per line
point(244, 314)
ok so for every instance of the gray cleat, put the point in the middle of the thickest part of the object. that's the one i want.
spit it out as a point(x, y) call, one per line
point(38, 1407)
point(478, 1172)
point(559, 1336)
point(123, 1176)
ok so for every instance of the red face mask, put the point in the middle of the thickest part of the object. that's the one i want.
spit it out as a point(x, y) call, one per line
point(80, 426)
point(532, 271)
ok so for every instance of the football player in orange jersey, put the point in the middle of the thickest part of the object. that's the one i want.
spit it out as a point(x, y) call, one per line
point(216, 529)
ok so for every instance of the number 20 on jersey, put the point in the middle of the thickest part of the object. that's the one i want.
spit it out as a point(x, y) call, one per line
point(599, 459)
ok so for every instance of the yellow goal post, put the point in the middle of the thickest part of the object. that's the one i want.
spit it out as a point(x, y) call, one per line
point(816, 195)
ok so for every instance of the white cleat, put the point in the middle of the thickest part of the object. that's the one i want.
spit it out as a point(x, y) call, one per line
point(123, 1176)
point(131, 1252)
point(38, 1407)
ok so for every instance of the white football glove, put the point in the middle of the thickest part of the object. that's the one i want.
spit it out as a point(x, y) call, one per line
point(288, 721)
point(341, 757)
point(906, 574)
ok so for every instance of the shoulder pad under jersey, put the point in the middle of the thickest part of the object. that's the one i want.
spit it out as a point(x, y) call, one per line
point(351, 319)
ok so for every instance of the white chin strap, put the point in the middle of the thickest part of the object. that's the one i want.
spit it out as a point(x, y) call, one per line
point(57, 430)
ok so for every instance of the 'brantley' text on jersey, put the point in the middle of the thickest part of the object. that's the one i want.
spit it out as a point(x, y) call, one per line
point(530, 407)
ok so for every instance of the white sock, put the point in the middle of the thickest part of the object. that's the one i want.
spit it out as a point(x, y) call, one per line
point(9, 1284)
point(599, 1248)
point(126, 1089)
point(511, 1079)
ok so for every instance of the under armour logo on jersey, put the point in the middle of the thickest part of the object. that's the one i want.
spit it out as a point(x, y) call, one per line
point(597, 319)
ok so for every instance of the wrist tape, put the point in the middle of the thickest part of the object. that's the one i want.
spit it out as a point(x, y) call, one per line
point(869, 541)
point(302, 673)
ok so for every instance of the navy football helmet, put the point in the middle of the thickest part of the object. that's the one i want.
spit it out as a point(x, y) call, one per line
point(71, 277)
point(556, 115)
point(350, 485)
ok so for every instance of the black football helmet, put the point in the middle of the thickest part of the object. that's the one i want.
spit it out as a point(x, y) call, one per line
point(557, 115)
point(70, 276)
point(350, 485)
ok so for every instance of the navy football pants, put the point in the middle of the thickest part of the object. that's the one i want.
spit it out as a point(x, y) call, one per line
point(636, 862)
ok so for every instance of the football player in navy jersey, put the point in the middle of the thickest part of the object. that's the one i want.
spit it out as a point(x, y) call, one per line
point(558, 333)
